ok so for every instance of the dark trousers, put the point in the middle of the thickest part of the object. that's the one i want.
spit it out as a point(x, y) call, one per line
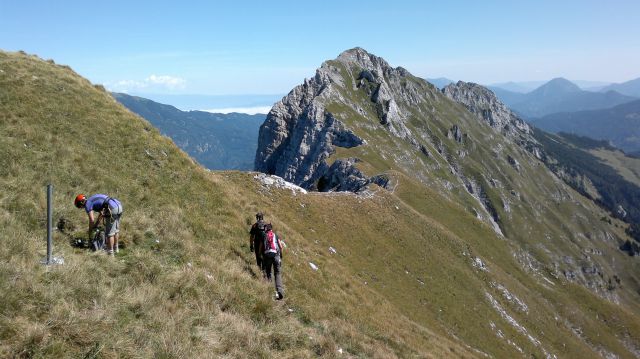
point(276, 263)
point(257, 247)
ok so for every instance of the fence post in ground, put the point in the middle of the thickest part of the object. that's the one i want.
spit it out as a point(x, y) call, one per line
point(49, 223)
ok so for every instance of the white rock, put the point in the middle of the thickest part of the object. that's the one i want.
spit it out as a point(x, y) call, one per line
point(478, 263)
point(278, 182)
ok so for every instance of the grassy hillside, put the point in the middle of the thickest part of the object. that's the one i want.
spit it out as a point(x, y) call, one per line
point(413, 274)
point(611, 176)
point(628, 167)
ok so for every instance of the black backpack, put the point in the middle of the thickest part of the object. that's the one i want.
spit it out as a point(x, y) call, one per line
point(261, 232)
point(106, 210)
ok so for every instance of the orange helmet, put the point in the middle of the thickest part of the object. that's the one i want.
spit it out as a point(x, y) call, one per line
point(80, 200)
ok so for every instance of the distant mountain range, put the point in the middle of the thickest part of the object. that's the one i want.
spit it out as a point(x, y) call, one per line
point(558, 95)
point(440, 82)
point(217, 141)
point(528, 86)
point(619, 124)
point(519, 87)
point(215, 103)
point(629, 88)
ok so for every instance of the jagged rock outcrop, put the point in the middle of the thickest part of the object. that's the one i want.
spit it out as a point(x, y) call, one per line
point(456, 134)
point(343, 175)
point(389, 114)
point(484, 103)
point(300, 134)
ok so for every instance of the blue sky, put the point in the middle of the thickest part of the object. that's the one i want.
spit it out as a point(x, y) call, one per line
point(268, 47)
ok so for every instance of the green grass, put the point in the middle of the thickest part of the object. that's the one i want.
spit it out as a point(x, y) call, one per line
point(628, 167)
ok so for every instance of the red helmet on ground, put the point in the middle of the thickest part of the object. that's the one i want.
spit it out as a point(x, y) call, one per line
point(80, 200)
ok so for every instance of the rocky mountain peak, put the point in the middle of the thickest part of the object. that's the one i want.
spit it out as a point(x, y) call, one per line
point(302, 131)
point(484, 103)
point(360, 57)
point(300, 134)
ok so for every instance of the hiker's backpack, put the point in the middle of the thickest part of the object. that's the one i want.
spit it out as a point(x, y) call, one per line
point(270, 244)
point(98, 241)
point(106, 210)
point(261, 231)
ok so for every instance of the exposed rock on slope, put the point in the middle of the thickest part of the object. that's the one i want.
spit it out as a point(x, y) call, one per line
point(359, 122)
point(485, 104)
point(300, 134)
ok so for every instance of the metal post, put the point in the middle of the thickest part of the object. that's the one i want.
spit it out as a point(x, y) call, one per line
point(49, 222)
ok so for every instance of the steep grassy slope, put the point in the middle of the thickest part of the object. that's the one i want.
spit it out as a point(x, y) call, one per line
point(413, 274)
point(597, 170)
point(628, 167)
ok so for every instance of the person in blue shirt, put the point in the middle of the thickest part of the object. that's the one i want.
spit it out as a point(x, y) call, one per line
point(110, 209)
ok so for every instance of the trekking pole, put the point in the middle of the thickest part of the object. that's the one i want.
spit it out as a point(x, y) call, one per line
point(49, 223)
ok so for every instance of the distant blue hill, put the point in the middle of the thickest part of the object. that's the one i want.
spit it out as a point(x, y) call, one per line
point(559, 95)
point(206, 102)
point(528, 86)
point(217, 141)
point(440, 82)
point(518, 86)
point(620, 125)
point(508, 97)
point(629, 88)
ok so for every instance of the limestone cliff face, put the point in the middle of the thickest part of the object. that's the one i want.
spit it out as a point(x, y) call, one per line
point(300, 134)
point(484, 103)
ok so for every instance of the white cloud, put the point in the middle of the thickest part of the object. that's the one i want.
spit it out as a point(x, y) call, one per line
point(247, 110)
point(168, 81)
point(151, 83)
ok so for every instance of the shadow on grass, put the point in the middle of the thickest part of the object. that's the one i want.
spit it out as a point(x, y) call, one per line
point(247, 265)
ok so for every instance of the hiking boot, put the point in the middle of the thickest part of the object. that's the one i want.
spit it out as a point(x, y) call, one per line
point(110, 252)
point(279, 296)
